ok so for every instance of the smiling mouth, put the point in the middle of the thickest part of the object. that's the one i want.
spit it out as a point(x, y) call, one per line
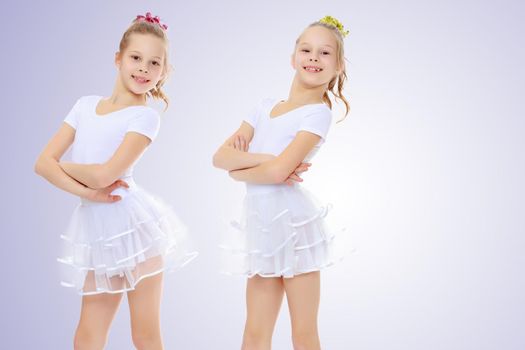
point(140, 80)
point(312, 69)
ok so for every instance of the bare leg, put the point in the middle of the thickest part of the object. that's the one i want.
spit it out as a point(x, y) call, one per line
point(144, 308)
point(96, 315)
point(263, 301)
point(303, 294)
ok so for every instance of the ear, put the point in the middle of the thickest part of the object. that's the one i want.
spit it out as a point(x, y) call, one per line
point(118, 59)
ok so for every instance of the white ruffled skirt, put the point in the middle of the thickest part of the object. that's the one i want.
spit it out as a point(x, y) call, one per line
point(282, 233)
point(111, 247)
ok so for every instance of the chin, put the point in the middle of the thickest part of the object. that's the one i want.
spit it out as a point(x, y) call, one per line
point(313, 83)
point(136, 91)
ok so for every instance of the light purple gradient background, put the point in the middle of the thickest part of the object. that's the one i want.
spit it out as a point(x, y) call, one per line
point(429, 166)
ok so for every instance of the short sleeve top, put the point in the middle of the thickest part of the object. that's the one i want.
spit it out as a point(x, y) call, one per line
point(273, 135)
point(97, 137)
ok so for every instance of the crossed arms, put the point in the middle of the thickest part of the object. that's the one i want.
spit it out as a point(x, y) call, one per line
point(259, 168)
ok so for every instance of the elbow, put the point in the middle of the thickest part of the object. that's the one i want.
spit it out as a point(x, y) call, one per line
point(278, 178)
point(218, 160)
point(102, 178)
point(40, 164)
point(277, 174)
point(37, 168)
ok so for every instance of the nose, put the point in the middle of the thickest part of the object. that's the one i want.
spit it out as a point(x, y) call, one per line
point(143, 70)
point(315, 59)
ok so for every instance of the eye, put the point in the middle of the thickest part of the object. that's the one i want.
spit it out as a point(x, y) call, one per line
point(305, 50)
point(135, 57)
point(155, 63)
point(325, 52)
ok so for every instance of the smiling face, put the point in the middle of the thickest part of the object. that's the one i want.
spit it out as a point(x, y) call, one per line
point(315, 58)
point(142, 63)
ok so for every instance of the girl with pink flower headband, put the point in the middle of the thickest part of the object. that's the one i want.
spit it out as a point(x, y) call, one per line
point(120, 238)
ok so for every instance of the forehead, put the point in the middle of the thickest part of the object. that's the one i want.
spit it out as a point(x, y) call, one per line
point(318, 35)
point(147, 44)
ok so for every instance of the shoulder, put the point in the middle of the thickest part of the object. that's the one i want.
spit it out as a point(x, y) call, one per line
point(147, 112)
point(263, 106)
point(316, 119)
point(319, 113)
point(320, 110)
point(144, 116)
point(86, 103)
point(145, 121)
point(266, 104)
point(139, 112)
point(83, 105)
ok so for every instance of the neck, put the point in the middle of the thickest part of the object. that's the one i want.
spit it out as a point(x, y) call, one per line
point(123, 97)
point(301, 94)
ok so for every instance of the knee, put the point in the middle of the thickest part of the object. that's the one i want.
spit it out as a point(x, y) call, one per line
point(88, 340)
point(306, 340)
point(253, 340)
point(146, 339)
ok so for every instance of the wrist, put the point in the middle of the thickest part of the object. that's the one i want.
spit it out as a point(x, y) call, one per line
point(87, 193)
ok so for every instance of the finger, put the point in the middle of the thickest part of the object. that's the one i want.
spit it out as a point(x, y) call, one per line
point(117, 184)
point(123, 184)
point(113, 186)
point(243, 144)
point(237, 142)
point(295, 177)
point(114, 198)
point(301, 168)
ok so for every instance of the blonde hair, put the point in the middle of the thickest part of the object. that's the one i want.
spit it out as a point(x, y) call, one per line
point(341, 78)
point(144, 27)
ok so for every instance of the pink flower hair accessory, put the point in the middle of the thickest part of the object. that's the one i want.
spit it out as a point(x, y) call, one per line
point(149, 18)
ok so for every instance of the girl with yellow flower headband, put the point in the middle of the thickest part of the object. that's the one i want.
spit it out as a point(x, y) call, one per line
point(282, 243)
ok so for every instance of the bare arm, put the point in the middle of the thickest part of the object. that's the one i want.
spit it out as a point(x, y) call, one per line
point(47, 163)
point(279, 169)
point(102, 175)
point(232, 154)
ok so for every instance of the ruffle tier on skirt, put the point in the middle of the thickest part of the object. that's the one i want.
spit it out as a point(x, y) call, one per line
point(110, 247)
point(282, 233)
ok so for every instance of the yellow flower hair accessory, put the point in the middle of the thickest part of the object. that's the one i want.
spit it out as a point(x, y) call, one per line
point(335, 23)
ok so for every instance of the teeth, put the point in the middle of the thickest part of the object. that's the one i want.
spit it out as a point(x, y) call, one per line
point(313, 69)
point(142, 80)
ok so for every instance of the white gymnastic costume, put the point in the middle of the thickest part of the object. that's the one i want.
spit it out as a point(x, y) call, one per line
point(110, 247)
point(281, 232)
